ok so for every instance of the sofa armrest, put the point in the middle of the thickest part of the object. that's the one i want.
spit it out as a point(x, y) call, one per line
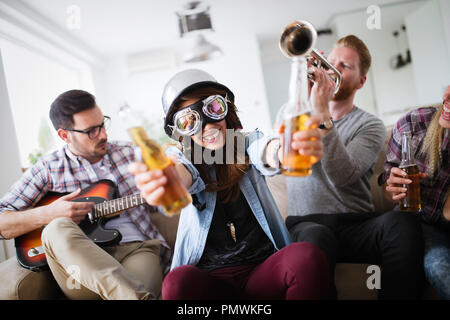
point(19, 283)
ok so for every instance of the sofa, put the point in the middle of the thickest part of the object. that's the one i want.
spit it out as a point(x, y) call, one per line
point(350, 278)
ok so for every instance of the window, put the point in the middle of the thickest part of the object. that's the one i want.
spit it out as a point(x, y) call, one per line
point(33, 82)
point(144, 91)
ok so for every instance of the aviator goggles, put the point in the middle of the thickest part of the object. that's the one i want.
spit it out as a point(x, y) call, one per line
point(188, 120)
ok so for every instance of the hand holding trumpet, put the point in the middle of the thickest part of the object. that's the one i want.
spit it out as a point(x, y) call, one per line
point(321, 91)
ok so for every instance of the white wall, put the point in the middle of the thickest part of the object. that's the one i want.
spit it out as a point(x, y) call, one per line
point(239, 69)
point(444, 10)
point(30, 31)
point(394, 90)
point(388, 93)
point(277, 68)
point(42, 61)
point(430, 51)
point(276, 78)
point(11, 168)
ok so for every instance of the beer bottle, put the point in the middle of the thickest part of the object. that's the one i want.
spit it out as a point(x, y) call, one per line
point(412, 200)
point(292, 117)
point(176, 196)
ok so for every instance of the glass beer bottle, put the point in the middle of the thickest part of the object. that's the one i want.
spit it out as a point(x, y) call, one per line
point(291, 118)
point(411, 202)
point(176, 196)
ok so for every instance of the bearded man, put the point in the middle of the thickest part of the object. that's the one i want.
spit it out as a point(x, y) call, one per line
point(336, 210)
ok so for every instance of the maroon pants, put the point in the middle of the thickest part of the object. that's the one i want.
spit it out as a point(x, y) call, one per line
point(298, 271)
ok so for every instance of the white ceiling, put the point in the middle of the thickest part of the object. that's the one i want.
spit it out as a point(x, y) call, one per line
point(124, 26)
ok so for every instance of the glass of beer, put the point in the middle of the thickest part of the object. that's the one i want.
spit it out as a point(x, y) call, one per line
point(293, 163)
point(411, 202)
point(292, 117)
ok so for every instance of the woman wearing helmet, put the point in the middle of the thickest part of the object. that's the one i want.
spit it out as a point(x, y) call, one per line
point(231, 240)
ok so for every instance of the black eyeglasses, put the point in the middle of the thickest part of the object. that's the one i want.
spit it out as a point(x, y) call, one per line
point(94, 131)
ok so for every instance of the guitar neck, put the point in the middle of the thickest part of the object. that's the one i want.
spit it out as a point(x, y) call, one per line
point(112, 207)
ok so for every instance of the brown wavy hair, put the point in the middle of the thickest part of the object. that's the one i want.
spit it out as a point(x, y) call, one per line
point(228, 176)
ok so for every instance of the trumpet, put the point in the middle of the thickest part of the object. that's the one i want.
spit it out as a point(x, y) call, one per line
point(298, 40)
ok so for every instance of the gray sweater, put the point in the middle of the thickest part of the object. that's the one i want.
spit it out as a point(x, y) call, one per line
point(339, 183)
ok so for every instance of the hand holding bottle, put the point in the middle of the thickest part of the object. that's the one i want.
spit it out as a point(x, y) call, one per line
point(397, 179)
point(409, 196)
point(161, 169)
point(149, 182)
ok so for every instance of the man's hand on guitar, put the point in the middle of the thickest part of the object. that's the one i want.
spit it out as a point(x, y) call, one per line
point(149, 182)
point(64, 207)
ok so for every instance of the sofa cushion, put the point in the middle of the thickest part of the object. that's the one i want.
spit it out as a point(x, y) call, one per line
point(19, 283)
point(277, 185)
point(167, 226)
point(351, 282)
point(380, 202)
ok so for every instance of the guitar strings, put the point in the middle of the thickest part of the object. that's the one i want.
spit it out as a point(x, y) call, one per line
point(109, 206)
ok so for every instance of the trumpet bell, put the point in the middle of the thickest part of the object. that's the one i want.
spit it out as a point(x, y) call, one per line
point(298, 39)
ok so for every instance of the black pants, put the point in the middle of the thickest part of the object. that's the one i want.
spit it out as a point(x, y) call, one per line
point(392, 240)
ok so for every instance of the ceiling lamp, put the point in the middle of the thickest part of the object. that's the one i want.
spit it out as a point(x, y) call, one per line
point(194, 20)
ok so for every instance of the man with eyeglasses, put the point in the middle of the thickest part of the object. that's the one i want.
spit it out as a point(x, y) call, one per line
point(131, 269)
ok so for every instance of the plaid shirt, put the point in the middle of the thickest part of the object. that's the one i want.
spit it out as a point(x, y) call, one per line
point(63, 172)
point(432, 190)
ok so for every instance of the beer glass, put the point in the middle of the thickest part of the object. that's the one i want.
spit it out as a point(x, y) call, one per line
point(292, 118)
point(293, 163)
point(296, 42)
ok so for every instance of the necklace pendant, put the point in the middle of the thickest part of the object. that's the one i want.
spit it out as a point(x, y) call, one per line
point(232, 230)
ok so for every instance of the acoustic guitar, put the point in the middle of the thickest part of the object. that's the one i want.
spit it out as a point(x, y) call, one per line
point(29, 250)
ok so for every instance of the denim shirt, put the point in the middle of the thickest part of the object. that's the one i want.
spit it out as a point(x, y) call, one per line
point(194, 223)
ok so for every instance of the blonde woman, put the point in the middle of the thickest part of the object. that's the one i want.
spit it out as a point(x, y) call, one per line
point(430, 138)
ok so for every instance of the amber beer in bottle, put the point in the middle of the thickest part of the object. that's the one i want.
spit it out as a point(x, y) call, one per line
point(176, 196)
point(411, 202)
point(291, 118)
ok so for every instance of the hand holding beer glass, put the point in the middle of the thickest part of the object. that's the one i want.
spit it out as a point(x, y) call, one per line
point(297, 43)
point(164, 187)
point(399, 182)
point(404, 181)
point(296, 158)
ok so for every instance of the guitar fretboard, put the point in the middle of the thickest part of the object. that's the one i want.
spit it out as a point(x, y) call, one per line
point(113, 206)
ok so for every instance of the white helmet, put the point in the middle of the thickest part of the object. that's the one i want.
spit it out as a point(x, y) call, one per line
point(181, 83)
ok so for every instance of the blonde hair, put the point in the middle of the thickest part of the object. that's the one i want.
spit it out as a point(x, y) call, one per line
point(355, 43)
point(432, 144)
